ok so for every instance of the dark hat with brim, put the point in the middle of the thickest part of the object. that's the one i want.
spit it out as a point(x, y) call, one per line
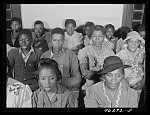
point(112, 63)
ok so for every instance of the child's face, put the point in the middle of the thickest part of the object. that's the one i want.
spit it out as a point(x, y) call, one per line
point(109, 33)
point(38, 28)
point(114, 78)
point(47, 78)
point(24, 41)
point(57, 41)
point(97, 38)
point(15, 25)
point(70, 29)
point(133, 44)
point(87, 30)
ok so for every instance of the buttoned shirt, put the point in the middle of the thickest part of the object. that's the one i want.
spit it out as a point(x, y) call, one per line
point(58, 59)
point(68, 65)
point(26, 57)
point(88, 55)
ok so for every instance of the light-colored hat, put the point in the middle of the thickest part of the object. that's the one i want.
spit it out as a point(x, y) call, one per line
point(134, 35)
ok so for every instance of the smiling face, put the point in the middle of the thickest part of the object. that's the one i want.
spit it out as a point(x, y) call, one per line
point(24, 41)
point(133, 44)
point(39, 29)
point(47, 78)
point(70, 28)
point(109, 33)
point(113, 79)
point(97, 38)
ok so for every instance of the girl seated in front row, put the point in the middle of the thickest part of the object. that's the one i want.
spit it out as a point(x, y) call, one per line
point(51, 94)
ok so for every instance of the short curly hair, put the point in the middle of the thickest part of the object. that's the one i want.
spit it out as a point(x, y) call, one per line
point(58, 31)
point(16, 19)
point(122, 32)
point(51, 64)
point(97, 28)
point(89, 24)
point(27, 32)
point(110, 26)
point(38, 22)
point(67, 21)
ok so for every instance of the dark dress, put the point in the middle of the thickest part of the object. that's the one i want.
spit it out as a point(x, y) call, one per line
point(143, 102)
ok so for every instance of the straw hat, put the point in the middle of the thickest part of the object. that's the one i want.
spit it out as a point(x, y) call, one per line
point(134, 35)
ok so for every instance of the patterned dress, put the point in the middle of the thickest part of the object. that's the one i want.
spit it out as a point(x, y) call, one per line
point(98, 97)
point(136, 72)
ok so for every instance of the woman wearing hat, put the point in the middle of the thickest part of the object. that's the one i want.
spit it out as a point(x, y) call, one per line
point(134, 55)
point(113, 91)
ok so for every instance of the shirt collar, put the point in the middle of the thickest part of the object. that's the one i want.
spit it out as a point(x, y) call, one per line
point(52, 54)
point(31, 50)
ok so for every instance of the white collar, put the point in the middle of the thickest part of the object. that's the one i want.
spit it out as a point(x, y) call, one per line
point(31, 50)
point(52, 54)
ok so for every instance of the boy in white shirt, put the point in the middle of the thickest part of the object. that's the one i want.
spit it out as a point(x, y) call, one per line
point(73, 40)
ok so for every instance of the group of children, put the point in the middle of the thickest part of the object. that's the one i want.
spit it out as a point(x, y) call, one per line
point(55, 64)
